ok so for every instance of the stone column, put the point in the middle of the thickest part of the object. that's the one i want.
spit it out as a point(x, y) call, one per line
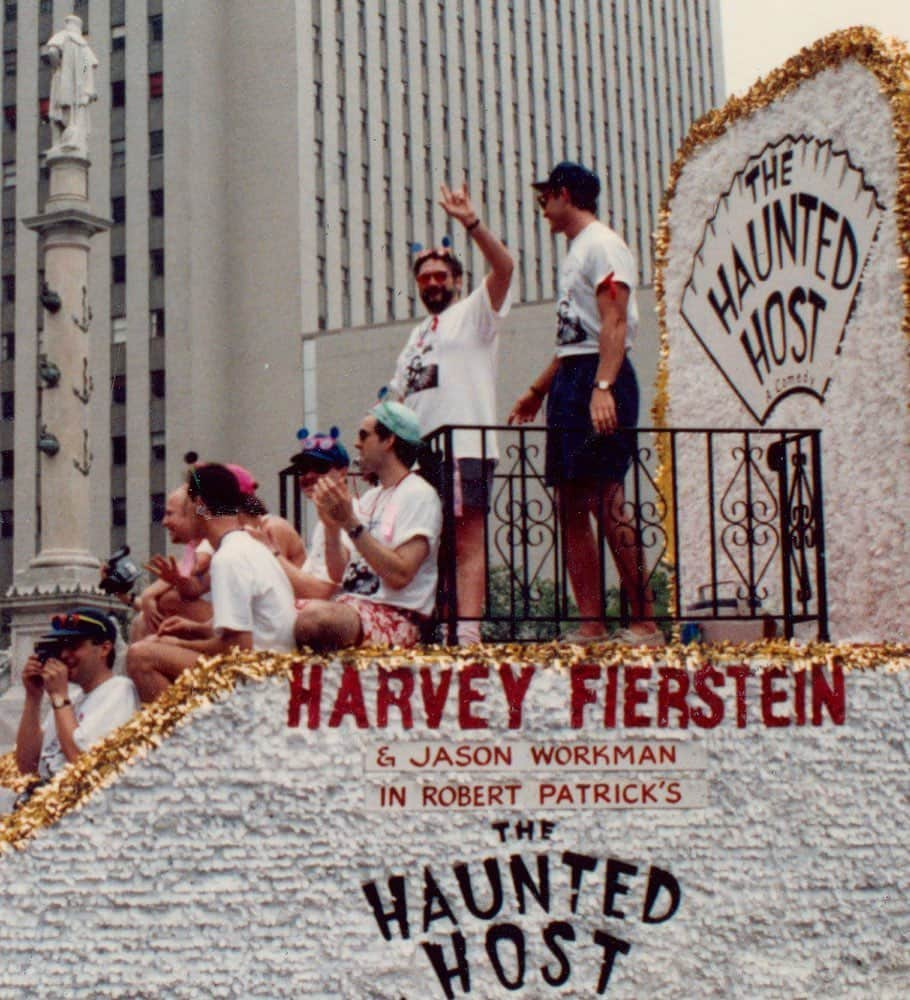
point(64, 573)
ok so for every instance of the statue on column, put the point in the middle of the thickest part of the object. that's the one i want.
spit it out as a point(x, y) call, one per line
point(72, 87)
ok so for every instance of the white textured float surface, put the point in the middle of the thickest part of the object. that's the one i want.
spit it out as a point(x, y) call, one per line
point(229, 863)
point(864, 419)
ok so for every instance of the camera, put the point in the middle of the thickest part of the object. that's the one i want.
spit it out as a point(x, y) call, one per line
point(121, 573)
point(48, 649)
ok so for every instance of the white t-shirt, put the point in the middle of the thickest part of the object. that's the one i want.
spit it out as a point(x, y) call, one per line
point(315, 564)
point(447, 371)
point(250, 593)
point(97, 713)
point(394, 516)
point(596, 252)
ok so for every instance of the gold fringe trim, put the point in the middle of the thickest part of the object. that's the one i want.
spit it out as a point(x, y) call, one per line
point(214, 679)
point(889, 61)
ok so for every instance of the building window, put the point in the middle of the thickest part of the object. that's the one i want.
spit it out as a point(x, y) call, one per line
point(156, 28)
point(156, 323)
point(9, 174)
point(118, 512)
point(157, 384)
point(7, 346)
point(156, 84)
point(10, 13)
point(118, 210)
point(118, 93)
point(156, 261)
point(8, 405)
point(9, 62)
point(9, 287)
point(6, 524)
point(156, 143)
point(118, 389)
point(7, 464)
point(157, 504)
point(118, 152)
point(156, 202)
point(9, 231)
point(158, 447)
point(118, 38)
point(118, 269)
point(118, 330)
point(118, 449)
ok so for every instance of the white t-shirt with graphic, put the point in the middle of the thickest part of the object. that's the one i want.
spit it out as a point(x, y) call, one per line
point(447, 371)
point(394, 516)
point(596, 252)
point(98, 713)
point(250, 593)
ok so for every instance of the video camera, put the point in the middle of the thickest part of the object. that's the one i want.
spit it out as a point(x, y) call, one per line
point(121, 573)
point(48, 649)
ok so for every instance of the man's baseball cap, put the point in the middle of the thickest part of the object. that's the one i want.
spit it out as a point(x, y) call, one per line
point(320, 452)
point(578, 180)
point(85, 623)
point(401, 420)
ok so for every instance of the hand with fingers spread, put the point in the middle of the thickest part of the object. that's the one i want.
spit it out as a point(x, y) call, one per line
point(165, 568)
point(457, 204)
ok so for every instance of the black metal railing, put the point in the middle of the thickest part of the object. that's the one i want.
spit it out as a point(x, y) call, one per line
point(728, 524)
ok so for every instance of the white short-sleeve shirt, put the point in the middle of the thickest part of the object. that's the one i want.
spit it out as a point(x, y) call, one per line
point(447, 370)
point(394, 516)
point(251, 593)
point(595, 254)
point(98, 713)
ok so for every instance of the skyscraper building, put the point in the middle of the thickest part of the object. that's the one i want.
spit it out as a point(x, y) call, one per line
point(267, 169)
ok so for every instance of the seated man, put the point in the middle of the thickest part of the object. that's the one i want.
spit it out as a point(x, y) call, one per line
point(74, 670)
point(389, 583)
point(252, 600)
point(181, 587)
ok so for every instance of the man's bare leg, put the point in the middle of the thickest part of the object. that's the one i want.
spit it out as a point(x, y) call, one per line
point(153, 665)
point(326, 625)
point(577, 503)
point(470, 572)
point(628, 554)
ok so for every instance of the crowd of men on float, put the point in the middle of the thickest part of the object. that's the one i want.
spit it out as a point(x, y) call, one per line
point(246, 580)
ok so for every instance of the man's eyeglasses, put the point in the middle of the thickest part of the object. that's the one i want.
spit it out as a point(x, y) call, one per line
point(543, 198)
point(432, 278)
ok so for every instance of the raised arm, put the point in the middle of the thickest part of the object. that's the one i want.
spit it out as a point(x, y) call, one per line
point(457, 205)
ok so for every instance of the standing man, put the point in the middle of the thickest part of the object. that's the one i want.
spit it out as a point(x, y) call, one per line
point(592, 394)
point(389, 584)
point(252, 600)
point(74, 670)
point(447, 375)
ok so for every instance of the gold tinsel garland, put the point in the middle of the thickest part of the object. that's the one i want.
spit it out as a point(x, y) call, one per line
point(214, 679)
point(889, 61)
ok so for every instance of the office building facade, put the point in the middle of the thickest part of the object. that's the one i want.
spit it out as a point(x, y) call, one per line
point(267, 169)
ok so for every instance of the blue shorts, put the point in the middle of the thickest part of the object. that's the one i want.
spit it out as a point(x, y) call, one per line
point(575, 451)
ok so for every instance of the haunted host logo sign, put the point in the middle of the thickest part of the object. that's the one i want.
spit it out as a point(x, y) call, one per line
point(775, 277)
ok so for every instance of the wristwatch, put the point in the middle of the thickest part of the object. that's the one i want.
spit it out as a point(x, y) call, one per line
point(355, 532)
point(59, 701)
point(603, 385)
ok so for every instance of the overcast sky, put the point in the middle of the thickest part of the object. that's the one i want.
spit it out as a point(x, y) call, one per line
point(761, 34)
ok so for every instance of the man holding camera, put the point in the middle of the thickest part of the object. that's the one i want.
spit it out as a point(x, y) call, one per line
point(72, 665)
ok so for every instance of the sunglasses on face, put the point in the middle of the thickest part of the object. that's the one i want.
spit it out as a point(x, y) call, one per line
point(543, 198)
point(432, 278)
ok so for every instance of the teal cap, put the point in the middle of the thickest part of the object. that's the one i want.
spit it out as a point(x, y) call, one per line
point(401, 420)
